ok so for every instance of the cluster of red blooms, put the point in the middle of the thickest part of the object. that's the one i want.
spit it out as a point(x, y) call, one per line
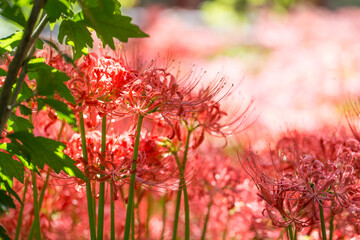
point(104, 85)
point(156, 168)
point(170, 104)
point(311, 172)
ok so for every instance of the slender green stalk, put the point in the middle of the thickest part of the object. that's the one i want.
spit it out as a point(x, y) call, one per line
point(112, 213)
point(322, 220)
point(187, 213)
point(331, 227)
point(88, 185)
point(183, 188)
point(42, 194)
point(93, 190)
point(163, 216)
point(290, 232)
point(130, 204)
point(177, 212)
point(206, 219)
point(18, 226)
point(41, 198)
point(186, 197)
point(36, 207)
point(133, 224)
point(100, 226)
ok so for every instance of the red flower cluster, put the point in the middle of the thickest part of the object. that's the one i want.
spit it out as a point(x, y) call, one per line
point(312, 172)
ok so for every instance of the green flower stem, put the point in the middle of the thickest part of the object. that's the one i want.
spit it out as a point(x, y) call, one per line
point(100, 226)
point(130, 203)
point(112, 213)
point(290, 232)
point(322, 220)
point(42, 194)
point(206, 219)
point(163, 216)
point(177, 212)
point(331, 227)
point(18, 226)
point(88, 185)
point(183, 188)
point(133, 223)
point(36, 207)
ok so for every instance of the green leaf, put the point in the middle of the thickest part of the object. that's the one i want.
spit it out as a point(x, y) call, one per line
point(49, 80)
point(109, 26)
point(62, 110)
point(10, 42)
point(25, 110)
point(39, 44)
point(2, 72)
point(109, 6)
point(25, 94)
point(23, 156)
point(12, 13)
point(11, 167)
point(5, 186)
point(46, 151)
point(6, 202)
point(3, 234)
point(56, 8)
point(18, 124)
point(77, 36)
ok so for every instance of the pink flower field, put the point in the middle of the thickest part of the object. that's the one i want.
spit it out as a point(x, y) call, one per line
point(195, 132)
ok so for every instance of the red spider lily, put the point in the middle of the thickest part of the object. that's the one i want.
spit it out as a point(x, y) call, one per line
point(213, 118)
point(97, 81)
point(112, 86)
point(324, 177)
point(156, 168)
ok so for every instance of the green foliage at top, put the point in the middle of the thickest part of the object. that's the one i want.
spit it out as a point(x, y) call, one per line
point(77, 35)
point(58, 8)
point(9, 43)
point(105, 18)
point(231, 12)
point(108, 26)
point(13, 13)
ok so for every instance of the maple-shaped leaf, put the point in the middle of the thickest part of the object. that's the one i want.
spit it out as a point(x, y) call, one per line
point(62, 109)
point(18, 124)
point(109, 26)
point(3, 234)
point(49, 80)
point(6, 202)
point(41, 151)
point(7, 44)
point(77, 36)
point(13, 13)
point(11, 168)
point(56, 8)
